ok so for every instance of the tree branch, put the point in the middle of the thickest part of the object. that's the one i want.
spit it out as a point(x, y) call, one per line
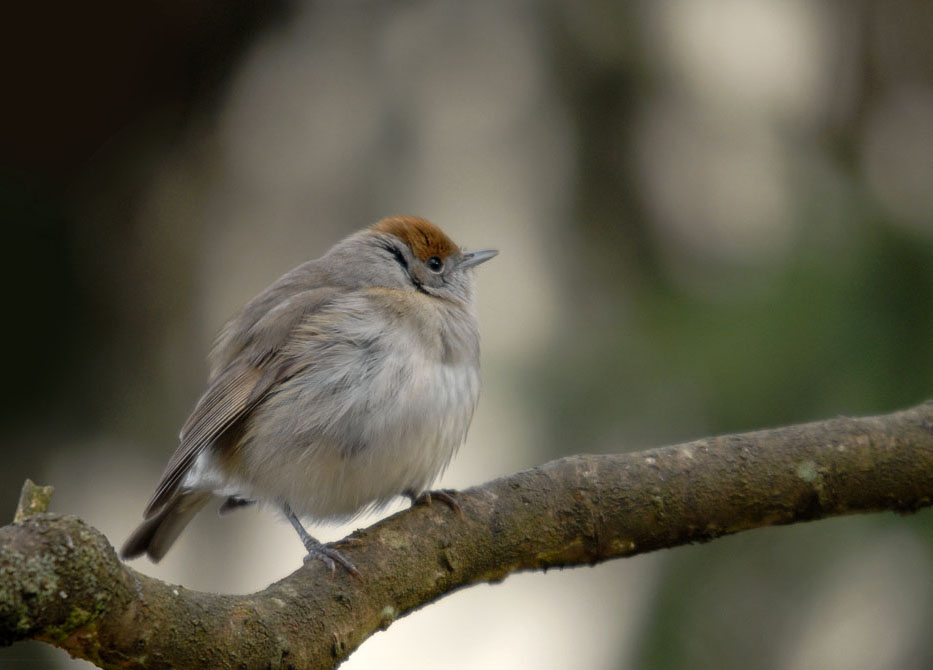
point(61, 582)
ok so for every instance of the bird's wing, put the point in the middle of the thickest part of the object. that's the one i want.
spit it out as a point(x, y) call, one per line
point(226, 400)
point(258, 365)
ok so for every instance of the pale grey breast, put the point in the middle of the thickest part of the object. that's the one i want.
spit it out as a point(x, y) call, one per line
point(370, 416)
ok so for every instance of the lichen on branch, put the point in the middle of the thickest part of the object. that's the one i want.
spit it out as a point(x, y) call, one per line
point(61, 581)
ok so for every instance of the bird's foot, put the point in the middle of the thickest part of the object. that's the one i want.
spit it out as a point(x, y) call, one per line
point(234, 503)
point(446, 496)
point(318, 550)
point(330, 557)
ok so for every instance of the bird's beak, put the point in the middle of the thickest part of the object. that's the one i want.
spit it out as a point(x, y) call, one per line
point(472, 258)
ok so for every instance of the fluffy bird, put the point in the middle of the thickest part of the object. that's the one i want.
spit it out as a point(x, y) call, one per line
point(349, 381)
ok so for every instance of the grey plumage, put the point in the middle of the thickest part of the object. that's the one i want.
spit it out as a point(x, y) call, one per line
point(350, 380)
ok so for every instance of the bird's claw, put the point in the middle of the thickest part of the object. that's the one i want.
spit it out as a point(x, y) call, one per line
point(330, 557)
point(446, 496)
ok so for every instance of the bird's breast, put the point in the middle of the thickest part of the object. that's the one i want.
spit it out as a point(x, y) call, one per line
point(379, 410)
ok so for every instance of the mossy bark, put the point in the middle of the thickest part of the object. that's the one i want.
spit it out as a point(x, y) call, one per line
point(61, 581)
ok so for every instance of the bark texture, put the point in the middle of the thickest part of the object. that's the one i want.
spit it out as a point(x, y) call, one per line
point(61, 581)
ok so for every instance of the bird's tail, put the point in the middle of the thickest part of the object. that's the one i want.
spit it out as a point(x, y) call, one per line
point(155, 536)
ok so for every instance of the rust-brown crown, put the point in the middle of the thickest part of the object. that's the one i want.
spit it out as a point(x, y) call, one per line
point(424, 238)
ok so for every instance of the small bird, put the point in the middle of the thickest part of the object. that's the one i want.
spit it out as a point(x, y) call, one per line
point(349, 381)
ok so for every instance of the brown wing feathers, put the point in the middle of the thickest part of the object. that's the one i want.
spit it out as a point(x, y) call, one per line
point(253, 366)
point(228, 398)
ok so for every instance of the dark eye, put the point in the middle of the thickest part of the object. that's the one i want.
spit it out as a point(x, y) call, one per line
point(435, 264)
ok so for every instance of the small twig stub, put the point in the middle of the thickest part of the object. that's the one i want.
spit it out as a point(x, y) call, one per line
point(33, 499)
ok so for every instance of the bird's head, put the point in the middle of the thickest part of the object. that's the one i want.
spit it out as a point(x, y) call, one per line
point(408, 252)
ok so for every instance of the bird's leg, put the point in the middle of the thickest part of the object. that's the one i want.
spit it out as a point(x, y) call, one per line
point(316, 549)
point(446, 496)
point(234, 503)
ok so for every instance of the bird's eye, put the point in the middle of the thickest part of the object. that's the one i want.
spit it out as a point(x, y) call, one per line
point(435, 264)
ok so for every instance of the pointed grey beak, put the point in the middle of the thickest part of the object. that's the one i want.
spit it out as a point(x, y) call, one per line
point(472, 258)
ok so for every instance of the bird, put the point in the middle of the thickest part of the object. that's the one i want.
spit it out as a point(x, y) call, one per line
point(348, 382)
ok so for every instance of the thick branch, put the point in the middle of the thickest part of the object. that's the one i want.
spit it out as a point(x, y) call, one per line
point(60, 580)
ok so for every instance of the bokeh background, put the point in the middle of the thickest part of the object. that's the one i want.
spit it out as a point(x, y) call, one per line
point(713, 216)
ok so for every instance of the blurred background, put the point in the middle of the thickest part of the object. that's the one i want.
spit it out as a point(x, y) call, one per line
point(713, 216)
